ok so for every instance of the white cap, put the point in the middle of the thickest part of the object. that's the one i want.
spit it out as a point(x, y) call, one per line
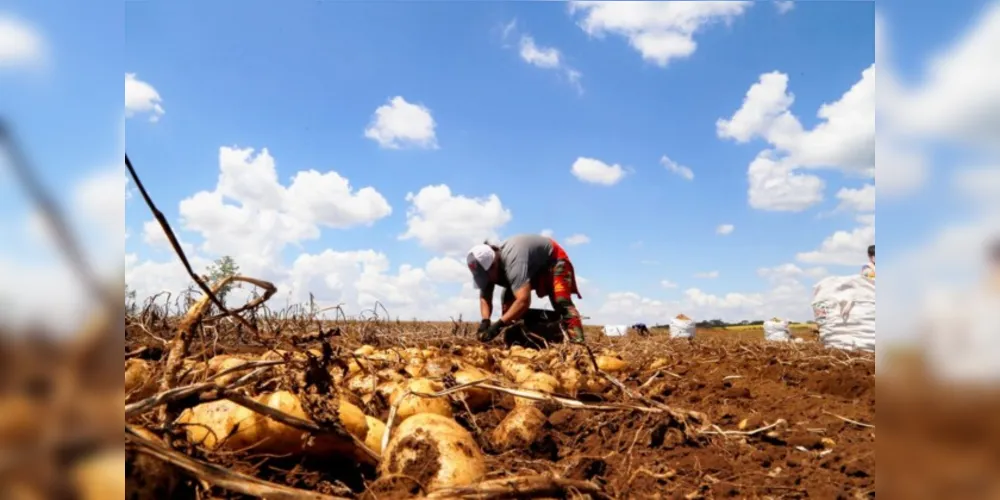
point(480, 259)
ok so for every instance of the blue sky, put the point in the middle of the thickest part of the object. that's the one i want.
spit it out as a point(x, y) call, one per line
point(304, 81)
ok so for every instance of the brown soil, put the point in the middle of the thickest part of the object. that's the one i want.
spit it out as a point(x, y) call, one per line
point(740, 385)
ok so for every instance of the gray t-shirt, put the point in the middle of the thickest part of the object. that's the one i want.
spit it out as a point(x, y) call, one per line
point(521, 258)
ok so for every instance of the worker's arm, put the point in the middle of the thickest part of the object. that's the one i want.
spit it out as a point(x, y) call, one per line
point(522, 301)
point(486, 302)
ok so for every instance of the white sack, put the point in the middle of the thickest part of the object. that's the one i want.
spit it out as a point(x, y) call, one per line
point(844, 308)
point(615, 330)
point(776, 330)
point(682, 328)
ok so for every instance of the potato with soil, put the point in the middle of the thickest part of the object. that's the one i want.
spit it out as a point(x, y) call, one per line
point(519, 429)
point(539, 382)
point(376, 429)
point(435, 451)
point(411, 404)
point(611, 364)
point(139, 379)
point(229, 426)
point(477, 398)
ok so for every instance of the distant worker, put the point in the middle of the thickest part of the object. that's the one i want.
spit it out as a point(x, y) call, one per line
point(641, 329)
point(868, 270)
point(521, 264)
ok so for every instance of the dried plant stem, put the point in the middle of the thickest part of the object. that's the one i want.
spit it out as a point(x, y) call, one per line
point(542, 486)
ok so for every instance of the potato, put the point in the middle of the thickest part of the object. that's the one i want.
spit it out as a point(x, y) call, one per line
point(611, 364)
point(386, 389)
point(221, 425)
point(523, 352)
point(541, 382)
point(435, 451)
point(376, 429)
point(659, 364)
point(364, 351)
point(411, 405)
point(438, 366)
point(139, 380)
point(595, 384)
point(516, 370)
point(100, 476)
point(192, 372)
point(416, 367)
point(227, 364)
point(477, 398)
point(227, 425)
point(363, 384)
point(519, 429)
point(389, 356)
point(571, 380)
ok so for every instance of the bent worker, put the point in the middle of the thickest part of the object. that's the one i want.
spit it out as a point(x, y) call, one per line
point(521, 264)
point(868, 270)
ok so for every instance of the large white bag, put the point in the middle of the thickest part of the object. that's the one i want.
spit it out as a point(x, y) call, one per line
point(844, 308)
point(615, 330)
point(682, 328)
point(776, 330)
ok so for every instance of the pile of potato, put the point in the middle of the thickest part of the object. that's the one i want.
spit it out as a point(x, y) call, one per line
point(423, 428)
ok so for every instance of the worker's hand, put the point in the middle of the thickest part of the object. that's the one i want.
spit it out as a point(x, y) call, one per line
point(492, 332)
point(483, 326)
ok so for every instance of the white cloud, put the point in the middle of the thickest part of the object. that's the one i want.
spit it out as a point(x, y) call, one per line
point(548, 233)
point(577, 239)
point(845, 248)
point(448, 270)
point(958, 99)
point(98, 197)
point(980, 186)
point(784, 300)
point(857, 200)
point(400, 124)
point(901, 170)
point(725, 229)
point(843, 140)
point(789, 273)
point(774, 185)
point(660, 31)
point(676, 168)
point(268, 216)
point(668, 284)
point(728, 301)
point(548, 58)
point(784, 6)
point(543, 57)
point(710, 275)
point(20, 43)
point(142, 98)
point(451, 224)
point(597, 172)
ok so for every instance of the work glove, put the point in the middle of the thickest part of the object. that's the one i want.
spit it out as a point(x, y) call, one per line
point(492, 332)
point(483, 326)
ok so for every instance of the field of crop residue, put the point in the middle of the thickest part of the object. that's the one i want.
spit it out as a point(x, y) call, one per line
point(283, 407)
